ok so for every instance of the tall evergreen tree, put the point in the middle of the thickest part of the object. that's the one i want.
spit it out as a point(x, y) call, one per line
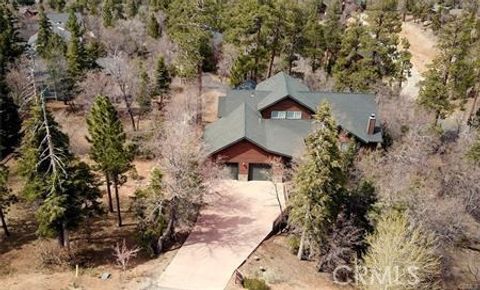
point(353, 69)
point(294, 41)
point(249, 25)
point(451, 73)
point(6, 197)
point(144, 96)
point(385, 24)
point(315, 39)
point(108, 146)
point(319, 180)
point(44, 33)
point(107, 13)
point(132, 8)
point(333, 31)
point(162, 80)
point(73, 25)
point(153, 27)
point(10, 123)
point(74, 58)
point(57, 4)
point(190, 26)
point(56, 180)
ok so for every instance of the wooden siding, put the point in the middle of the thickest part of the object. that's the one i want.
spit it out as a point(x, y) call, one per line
point(287, 105)
point(244, 153)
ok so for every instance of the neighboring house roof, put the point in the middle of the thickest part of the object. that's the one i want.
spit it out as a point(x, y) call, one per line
point(58, 22)
point(240, 116)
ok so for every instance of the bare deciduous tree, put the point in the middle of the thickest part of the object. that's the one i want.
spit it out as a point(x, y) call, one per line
point(119, 67)
point(123, 254)
point(188, 174)
point(95, 83)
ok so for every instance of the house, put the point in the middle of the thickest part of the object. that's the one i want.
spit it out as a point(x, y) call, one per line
point(58, 22)
point(272, 121)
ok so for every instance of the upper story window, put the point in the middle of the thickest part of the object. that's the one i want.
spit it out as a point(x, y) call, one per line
point(291, 115)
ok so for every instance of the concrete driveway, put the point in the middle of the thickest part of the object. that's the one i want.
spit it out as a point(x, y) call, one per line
point(226, 233)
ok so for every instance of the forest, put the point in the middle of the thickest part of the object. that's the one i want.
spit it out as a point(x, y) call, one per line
point(104, 170)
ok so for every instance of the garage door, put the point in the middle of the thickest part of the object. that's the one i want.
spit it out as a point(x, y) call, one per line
point(232, 170)
point(259, 172)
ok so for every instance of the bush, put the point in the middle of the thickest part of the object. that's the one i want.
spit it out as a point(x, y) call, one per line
point(293, 244)
point(255, 284)
point(51, 256)
point(401, 256)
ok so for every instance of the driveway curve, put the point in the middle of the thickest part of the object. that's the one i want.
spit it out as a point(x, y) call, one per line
point(228, 230)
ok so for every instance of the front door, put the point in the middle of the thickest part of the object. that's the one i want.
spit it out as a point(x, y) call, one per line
point(259, 171)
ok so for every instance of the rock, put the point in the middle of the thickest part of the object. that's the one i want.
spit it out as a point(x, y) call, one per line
point(262, 269)
point(105, 276)
point(256, 258)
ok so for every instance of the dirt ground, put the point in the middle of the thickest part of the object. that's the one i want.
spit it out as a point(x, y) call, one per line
point(21, 254)
point(422, 47)
point(273, 262)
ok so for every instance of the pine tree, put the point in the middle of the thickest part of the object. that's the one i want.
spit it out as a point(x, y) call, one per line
point(6, 197)
point(403, 65)
point(333, 31)
point(144, 96)
point(107, 13)
point(132, 8)
point(57, 4)
point(294, 41)
point(451, 74)
point(62, 186)
point(385, 25)
point(10, 123)
point(44, 33)
point(153, 27)
point(74, 58)
point(162, 80)
point(108, 146)
point(256, 29)
point(353, 69)
point(319, 180)
point(190, 26)
point(315, 40)
point(73, 26)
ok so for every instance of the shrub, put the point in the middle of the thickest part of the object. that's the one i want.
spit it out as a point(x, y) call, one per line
point(255, 284)
point(293, 244)
point(51, 256)
point(401, 256)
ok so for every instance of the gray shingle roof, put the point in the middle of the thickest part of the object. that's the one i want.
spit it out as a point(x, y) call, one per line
point(58, 22)
point(240, 118)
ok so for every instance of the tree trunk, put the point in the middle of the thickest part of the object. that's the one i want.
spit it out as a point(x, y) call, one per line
point(199, 98)
point(166, 236)
point(129, 110)
point(4, 224)
point(66, 237)
point(302, 245)
point(117, 198)
point(474, 105)
point(270, 65)
point(61, 237)
point(109, 193)
point(138, 121)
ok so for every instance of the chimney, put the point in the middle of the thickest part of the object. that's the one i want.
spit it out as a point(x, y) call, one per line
point(371, 124)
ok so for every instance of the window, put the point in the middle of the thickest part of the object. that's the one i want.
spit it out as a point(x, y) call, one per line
point(291, 115)
point(278, 115)
point(294, 115)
